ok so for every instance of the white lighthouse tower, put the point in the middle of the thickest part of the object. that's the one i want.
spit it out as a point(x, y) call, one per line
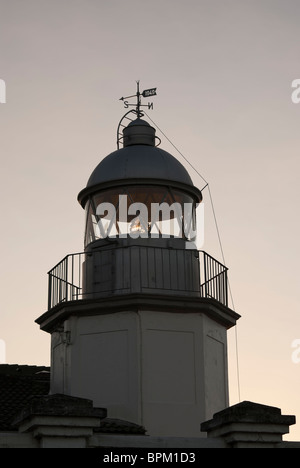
point(139, 320)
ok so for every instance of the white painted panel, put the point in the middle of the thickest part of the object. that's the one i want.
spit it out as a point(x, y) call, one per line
point(215, 376)
point(57, 368)
point(104, 367)
point(169, 367)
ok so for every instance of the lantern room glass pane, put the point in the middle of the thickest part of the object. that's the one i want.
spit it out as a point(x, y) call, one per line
point(140, 211)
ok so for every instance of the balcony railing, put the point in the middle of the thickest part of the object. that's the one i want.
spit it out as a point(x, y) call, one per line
point(136, 269)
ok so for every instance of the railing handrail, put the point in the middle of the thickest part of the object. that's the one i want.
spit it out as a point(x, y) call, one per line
point(65, 258)
point(137, 245)
point(212, 258)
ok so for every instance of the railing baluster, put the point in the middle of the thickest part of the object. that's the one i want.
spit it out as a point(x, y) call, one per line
point(60, 283)
point(220, 286)
point(225, 288)
point(79, 271)
point(205, 275)
point(54, 288)
point(49, 291)
point(66, 273)
point(72, 277)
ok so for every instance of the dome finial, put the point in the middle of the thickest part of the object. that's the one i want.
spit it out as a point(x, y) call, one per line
point(138, 105)
point(137, 111)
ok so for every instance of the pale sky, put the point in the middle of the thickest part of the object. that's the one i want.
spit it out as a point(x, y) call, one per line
point(223, 71)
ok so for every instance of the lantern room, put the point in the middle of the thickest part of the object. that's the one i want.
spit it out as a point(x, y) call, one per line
point(140, 191)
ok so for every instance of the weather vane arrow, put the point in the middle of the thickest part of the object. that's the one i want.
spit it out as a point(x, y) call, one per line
point(127, 97)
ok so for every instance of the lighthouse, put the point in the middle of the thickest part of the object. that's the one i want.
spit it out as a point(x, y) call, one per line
point(139, 318)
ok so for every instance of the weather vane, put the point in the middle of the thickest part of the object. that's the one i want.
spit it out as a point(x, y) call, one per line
point(138, 105)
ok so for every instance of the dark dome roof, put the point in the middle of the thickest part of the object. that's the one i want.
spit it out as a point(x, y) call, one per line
point(139, 162)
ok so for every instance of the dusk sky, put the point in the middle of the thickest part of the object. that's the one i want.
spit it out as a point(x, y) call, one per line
point(223, 71)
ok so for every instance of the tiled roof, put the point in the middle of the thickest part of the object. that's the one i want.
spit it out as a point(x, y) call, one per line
point(17, 384)
point(119, 426)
